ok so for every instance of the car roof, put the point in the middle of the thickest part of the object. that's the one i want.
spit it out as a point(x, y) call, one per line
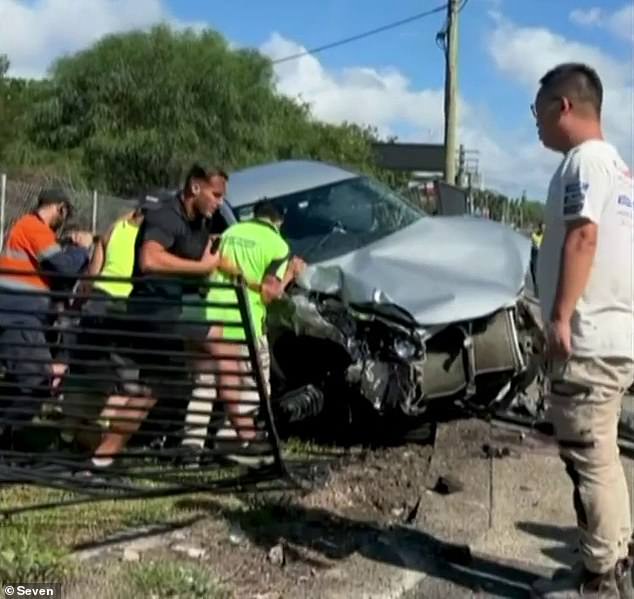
point(276, 179)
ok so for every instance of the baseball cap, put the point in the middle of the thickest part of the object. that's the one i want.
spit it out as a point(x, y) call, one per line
point(152, 199)
point(149, 201)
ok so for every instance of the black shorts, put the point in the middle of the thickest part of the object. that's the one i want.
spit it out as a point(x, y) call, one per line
point(99, 364)
point(160, 338)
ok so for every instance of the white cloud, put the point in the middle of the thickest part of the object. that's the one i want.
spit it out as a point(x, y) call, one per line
point(511, 160)
point(591, 16)
point(382, 98)
point(387, 100)
point(524, 54)
point(33, 34)
point(619, 22)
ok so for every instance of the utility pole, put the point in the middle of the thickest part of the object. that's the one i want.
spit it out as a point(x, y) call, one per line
point(462, 171)
point(451, 92)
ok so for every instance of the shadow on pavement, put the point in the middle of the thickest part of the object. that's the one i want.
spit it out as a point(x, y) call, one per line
point(564, 551)
point(564, 534)
point(335, 537)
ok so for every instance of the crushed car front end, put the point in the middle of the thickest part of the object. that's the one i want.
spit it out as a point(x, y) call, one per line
point(398, 313)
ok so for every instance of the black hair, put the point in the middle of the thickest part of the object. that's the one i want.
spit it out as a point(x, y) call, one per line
point(267, 209)
point(198, 171)
point(577, 81)
point(54, 197)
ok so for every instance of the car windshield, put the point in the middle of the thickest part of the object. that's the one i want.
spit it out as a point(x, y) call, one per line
point(329, 221)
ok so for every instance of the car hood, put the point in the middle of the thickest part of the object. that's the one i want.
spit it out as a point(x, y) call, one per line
point(437, 270)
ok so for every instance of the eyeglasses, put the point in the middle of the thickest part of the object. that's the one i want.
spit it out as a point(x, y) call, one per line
point(550, 100)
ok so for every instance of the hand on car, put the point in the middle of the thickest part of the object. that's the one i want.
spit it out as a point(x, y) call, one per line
point(271, 289)
point(297, 265)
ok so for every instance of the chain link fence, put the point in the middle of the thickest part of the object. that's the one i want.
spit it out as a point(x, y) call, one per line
point(94, 211)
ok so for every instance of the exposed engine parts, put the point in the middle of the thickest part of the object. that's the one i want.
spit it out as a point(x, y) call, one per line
point(396, 366)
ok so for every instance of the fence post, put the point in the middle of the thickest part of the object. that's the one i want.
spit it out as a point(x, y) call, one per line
point(95, 205)
point(3, 201)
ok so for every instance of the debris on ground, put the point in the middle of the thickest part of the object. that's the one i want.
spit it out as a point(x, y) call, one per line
point(236, 534)
point(196, 553)
point(493, 452)
point(284, 545)
point(447, 485)
point(276, 555)
point(130, 555)
point(411, 517)
point(191, 551)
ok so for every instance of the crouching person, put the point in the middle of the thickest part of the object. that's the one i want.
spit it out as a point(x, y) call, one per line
point(261, 254)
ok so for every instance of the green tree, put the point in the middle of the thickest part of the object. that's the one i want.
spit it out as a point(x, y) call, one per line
point(136, 108)
point(4, 65)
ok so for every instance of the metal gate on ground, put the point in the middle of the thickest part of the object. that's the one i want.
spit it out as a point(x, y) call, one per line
point(101, 398)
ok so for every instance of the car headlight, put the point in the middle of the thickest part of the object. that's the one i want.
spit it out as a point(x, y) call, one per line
point(404, 349)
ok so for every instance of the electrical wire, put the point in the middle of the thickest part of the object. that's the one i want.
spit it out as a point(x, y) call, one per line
point(363, 35)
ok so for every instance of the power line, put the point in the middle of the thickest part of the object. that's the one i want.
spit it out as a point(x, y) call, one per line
point(365, 34)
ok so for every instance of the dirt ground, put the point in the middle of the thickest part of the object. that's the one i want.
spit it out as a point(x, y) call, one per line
point(267, 547)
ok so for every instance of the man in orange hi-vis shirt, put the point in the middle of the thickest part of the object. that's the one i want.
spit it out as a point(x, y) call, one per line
point(31, 250)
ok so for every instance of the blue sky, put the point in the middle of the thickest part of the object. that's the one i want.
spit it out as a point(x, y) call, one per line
point(392, 80)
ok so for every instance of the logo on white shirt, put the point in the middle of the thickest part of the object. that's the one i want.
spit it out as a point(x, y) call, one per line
point(574, 197)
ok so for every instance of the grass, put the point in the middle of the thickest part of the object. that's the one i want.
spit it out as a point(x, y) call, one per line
point(294, 448)
point(37, 545)
point(26, 556)
point(168, 579)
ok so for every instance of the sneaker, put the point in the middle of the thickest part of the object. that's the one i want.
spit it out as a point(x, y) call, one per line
point(226, 441)
point(577, 583)
point(189, 457)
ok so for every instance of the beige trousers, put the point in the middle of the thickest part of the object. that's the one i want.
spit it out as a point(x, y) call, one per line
point(585, 402)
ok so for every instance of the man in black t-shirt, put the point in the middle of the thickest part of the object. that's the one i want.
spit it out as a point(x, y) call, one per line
point(172, 258)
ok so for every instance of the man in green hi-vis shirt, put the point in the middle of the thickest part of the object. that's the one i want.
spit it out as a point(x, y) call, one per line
point(262, 255)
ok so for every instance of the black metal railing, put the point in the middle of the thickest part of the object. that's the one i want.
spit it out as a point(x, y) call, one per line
point(104, 397)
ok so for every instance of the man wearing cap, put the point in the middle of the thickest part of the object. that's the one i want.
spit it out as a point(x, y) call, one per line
point(30, 251)
point(102, 324)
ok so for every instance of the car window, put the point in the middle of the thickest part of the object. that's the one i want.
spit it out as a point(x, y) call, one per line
point(322, 223)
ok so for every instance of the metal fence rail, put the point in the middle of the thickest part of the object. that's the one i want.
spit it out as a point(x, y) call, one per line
point(101, 398)
point(94, 211)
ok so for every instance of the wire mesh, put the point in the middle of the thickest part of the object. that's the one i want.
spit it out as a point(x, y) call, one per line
point(133, 397)
point(91, 209)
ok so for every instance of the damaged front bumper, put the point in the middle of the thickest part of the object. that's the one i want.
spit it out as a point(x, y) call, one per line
point(399, 367)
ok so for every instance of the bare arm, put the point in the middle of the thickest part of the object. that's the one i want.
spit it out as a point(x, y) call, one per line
point(156, 259)
point(576, 262)
point(97, 260)
point(273, 288)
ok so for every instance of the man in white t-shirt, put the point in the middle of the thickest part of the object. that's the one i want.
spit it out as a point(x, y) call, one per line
point(585, 279)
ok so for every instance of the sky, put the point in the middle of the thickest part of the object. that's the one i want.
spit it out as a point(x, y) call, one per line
point(393, 80)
